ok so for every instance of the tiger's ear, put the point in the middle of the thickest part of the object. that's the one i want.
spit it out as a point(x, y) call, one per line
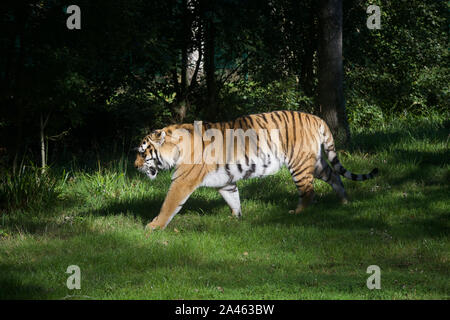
point(157, 138)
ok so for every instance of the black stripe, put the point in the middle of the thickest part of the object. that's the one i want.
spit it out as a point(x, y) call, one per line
point(330, 148)
point(334, 161)
point(182, 174)
point(258, 134)
point(230, 188)
point(278, 116)
point(230, 176)
point(272, 118)
point(259, 123)
point(264, 117)
point(281, 140)
point(296, 162)
point(249, 118)
point(319, 175)
point(299, 184)
point(296, 173)
point(250, 171)
point(286, 129)
point(342, 170)
point(241, 121)
point(308, 120)
point(295, 134)
point(252, 126)
point(234, 124)
point(269, 140)
point(158, 158)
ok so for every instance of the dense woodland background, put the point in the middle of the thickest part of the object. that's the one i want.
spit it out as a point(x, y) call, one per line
point(138, 65)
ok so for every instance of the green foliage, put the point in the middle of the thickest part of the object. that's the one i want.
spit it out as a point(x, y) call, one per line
point(365, 115)
point(246, 97)
point(405, 64)
point(139, 111)
point(30, 188)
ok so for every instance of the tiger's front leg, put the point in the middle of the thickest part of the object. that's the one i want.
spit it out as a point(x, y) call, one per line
point(178, 193)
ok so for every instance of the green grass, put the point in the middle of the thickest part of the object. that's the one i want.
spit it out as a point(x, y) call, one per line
point(398, 221)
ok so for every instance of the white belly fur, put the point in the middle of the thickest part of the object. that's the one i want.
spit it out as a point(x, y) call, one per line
point(220, 178)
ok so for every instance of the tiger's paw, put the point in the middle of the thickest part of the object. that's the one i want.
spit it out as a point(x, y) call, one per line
point(152, 226)
point(296, 211)
point(236, 214)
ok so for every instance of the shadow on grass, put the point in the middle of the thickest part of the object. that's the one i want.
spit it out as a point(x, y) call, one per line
point(378, 140)
point(426, 220)
point(176, 270)
point(426, 163)
point(12, 288)
point(147, 209)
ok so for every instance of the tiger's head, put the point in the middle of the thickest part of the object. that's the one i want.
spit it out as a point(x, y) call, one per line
point(156, 152)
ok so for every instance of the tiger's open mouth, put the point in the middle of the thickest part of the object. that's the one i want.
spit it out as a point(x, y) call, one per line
point(150, 172)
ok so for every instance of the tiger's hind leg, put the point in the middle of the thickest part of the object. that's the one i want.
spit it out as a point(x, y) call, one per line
point(324, 172)
point(230, 193)
point(303, 176)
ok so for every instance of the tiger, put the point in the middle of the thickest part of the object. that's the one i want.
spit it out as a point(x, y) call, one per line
point(300, 141)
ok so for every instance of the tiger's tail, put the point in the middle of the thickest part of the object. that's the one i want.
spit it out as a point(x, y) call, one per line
point(330, 151)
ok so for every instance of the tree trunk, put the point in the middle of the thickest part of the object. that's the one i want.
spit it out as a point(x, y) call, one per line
point(182, 100)
point(330, 87)
point(43, 146)
point(19, 135)
point(210, 68)
point(184, 48)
